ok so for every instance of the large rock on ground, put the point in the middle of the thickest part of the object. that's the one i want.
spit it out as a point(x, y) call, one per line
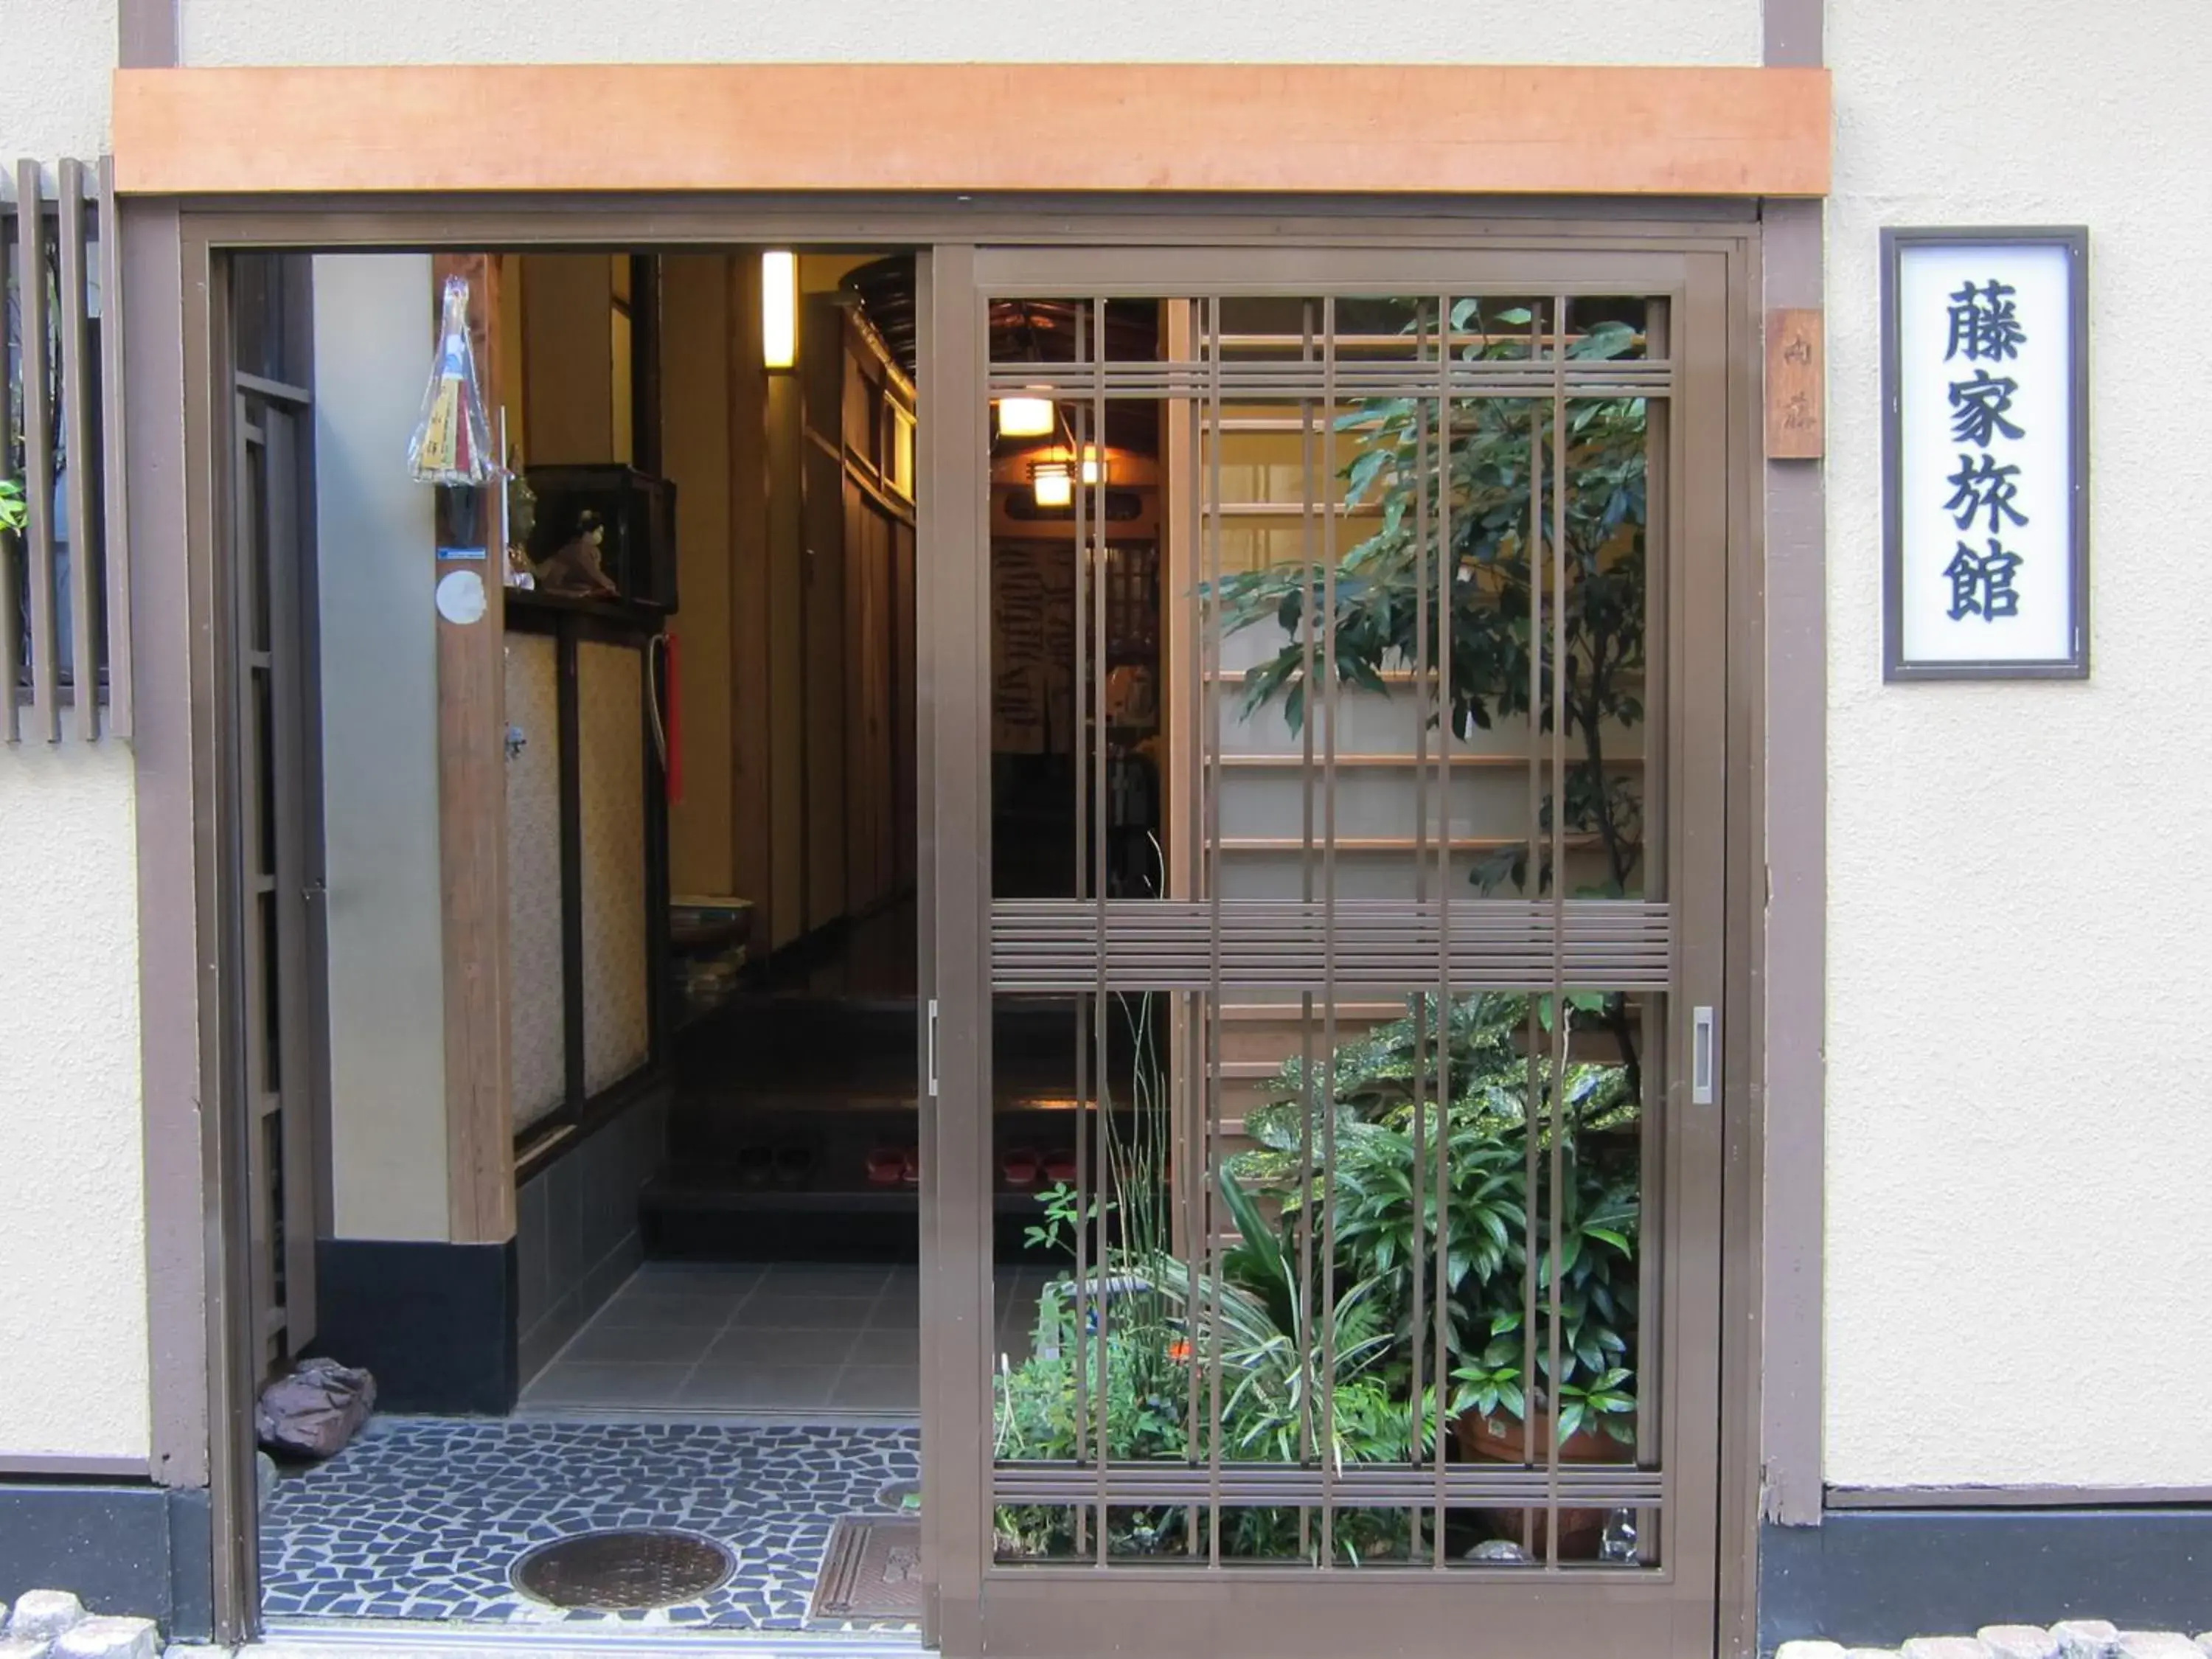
point(2157, 1644)
point(1945, 1647)
point(44, 1615)
point(109, 1638)
point(2086, 1638)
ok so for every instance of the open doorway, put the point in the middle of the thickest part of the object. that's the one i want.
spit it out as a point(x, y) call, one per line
point(1423, 874)
point(1052, 1512)
point(662, 1365)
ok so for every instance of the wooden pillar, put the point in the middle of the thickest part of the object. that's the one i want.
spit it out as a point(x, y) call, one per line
point(472, 830)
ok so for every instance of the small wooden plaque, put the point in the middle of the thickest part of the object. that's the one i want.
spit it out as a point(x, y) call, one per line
point(1796, 387)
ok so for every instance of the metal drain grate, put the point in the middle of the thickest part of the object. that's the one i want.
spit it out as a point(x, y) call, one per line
point(611, 1571)
point(873, 1571)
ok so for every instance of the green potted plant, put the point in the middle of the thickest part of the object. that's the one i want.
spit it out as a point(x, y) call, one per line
point(1281, 1334)
point(1275, 1311)
point(1376, 1171)
point(1168, 1323)
point(1589, 1391)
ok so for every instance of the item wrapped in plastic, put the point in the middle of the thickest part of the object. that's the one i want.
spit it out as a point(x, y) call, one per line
point(451, 443)
point(315, 1411)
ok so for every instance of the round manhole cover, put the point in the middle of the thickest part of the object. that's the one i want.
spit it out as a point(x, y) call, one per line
point(608, 1571)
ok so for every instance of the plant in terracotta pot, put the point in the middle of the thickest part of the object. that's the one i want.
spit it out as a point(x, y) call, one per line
point(1376, 1169)
point(1375, 1166)
point(1584, 1387)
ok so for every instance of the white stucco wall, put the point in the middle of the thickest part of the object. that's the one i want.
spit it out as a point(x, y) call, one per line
point(73, 1362)
point(2019, 1106)
point(56, 57)
point(993, 31)
point(72, 1214)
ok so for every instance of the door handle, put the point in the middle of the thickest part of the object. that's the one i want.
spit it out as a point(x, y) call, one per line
point(931, 1077)
point(1701, 1055)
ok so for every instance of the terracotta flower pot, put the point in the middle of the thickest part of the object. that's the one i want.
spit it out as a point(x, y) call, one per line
point(1498, 1439)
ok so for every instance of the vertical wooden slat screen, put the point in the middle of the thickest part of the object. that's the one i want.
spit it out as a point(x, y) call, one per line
point(116, 538)
point(37, 465)
point(11, 598)
point(64, 612)
point(76, 410)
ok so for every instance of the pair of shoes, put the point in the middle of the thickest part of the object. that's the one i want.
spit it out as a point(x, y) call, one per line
point(892, 1166)
point(1022, 1165)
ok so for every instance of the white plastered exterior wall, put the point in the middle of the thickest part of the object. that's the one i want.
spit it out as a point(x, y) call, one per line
point(231, 32)
point(54, 81)
point(2020, 1119)
point(72, 1170)
point(74, 1375)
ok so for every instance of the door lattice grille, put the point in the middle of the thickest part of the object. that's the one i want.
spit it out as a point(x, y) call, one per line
point(1335, 949)
point(1167, 944)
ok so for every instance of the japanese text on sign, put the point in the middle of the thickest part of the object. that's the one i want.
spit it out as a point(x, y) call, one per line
point(1984, 453)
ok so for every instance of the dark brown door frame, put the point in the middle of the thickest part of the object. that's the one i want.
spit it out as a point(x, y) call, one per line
point(275, 420)
point(179, 498)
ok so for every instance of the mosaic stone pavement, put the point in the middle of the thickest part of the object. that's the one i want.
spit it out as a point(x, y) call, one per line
point(425, 1517)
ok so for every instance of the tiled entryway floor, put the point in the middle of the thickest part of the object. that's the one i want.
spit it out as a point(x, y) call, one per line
point(796, 1342)
point(755, 1405)
point(787, 1338)
point(426, 1517)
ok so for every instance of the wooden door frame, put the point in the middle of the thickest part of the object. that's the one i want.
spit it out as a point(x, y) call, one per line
point(178, 494)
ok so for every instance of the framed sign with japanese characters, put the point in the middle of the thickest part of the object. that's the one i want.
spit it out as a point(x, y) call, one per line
point(1985, 453)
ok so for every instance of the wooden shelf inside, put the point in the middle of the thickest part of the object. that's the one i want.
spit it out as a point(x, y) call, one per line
point(625, 613)
point(753, 1107)
point(695, 1197)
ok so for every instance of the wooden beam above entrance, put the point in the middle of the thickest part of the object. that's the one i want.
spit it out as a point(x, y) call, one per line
point(1301, 129)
